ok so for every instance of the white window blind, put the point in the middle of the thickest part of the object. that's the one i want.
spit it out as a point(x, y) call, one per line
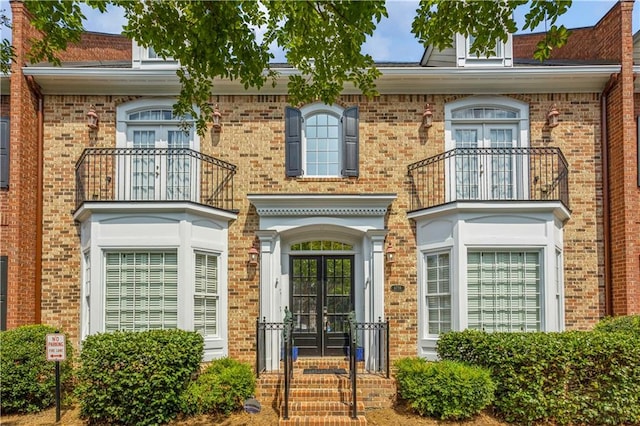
point(141, 291)
point(205, 304)
point(504, 291)
point(438, 293)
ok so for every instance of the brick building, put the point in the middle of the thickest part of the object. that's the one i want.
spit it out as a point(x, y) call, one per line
point(492, 193)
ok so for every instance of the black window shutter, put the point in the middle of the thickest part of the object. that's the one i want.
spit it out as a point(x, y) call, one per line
point(350, 141)
point(4, 153)
point(293, 141)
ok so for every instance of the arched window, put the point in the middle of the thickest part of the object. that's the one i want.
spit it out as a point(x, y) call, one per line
point(321, 140)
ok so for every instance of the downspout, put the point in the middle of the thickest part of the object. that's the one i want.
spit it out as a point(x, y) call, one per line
point(606, 207)
point(39, 199)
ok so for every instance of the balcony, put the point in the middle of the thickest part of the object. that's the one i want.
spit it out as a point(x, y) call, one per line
point(489, 174)
point(160, 174)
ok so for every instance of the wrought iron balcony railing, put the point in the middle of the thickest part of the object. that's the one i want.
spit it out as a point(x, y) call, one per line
point(153, 174)
point(488, 174)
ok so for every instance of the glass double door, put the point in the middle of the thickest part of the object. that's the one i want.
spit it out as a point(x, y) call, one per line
point(161, 166)
point(486, 169)
point(321, 297)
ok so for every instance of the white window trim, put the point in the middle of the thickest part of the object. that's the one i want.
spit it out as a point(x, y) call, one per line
point(425, 292)
point(544, 290)
point(319, 108)
point(186, 232)
point(461, 227)
point(464, 59)
point(502, 102)
point(140, 59)
point(123, 122)
point(217, 295)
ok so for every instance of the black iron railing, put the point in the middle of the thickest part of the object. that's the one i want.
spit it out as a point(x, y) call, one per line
point(490, 174)
point(375, 335)
point(154, 174)
point(275, 339)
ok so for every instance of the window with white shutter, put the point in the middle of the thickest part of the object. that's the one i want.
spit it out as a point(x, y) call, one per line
point(205, 301)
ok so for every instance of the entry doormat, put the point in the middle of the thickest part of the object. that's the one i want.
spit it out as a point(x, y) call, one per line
point(324, 371)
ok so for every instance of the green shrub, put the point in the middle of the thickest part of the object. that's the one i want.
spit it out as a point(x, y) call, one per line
point(625, 324)
point(136, 377)
point(564, 378)
point(447, 390)
point(221, 388)
point(27, 379)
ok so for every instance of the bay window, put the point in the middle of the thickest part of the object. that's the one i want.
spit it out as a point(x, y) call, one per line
point(503, 290)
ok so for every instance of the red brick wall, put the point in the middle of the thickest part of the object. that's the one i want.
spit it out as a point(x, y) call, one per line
point(600, 42)
point(625, 194)
point(19, 236)
point(579, 46)
point(98, 47)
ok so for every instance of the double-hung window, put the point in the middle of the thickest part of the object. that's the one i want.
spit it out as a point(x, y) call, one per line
point(438, 293)
point(206, 295)
point(321, 141)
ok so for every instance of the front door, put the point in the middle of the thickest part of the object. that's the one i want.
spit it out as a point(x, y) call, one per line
point(321, 297)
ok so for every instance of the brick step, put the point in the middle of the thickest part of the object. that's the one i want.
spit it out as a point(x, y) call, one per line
point(323, 421)
point(326, 394)
point(324, 362)
point(337, 381)
point(322, 408)
point(374, 390)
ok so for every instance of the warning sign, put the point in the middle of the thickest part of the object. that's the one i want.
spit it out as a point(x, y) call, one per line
point(56, 347)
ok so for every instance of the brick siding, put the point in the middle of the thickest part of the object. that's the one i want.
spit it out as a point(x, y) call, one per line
point(252, 137)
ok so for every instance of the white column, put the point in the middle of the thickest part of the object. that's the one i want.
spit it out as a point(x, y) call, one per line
point(375, 289)
point(268, 297)
point(267, 267)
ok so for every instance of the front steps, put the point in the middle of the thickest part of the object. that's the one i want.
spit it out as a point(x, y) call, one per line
point(325, 399)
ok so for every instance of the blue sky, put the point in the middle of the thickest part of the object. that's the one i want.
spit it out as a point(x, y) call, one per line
point(393, 40)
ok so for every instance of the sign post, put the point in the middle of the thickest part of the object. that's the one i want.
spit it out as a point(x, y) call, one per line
point(57, 351)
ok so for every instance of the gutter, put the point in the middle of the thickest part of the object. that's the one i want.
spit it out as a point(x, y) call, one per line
point(606, 196)
point(39, 199)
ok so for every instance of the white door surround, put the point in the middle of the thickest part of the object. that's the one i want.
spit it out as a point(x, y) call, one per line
point(358, 220)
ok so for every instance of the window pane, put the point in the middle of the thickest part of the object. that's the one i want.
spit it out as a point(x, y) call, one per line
point(503, 290)
point(205, 304)
point(322, 145)
point(438, 295)
point(141, 291)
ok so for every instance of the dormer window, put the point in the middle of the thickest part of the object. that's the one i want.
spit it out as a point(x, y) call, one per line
point(500, 56)
point(147, 57)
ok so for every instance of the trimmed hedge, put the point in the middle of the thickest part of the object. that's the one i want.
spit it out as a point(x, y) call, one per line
point(136, 377)
point(27, 379)
point(221, 388)
point(626, 324)
point(447, 390)
point(566, 378)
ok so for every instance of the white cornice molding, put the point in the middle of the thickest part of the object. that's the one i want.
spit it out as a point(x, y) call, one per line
point(394, 80)
point(558, 209)
point(87, 209)
point(321, 205)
